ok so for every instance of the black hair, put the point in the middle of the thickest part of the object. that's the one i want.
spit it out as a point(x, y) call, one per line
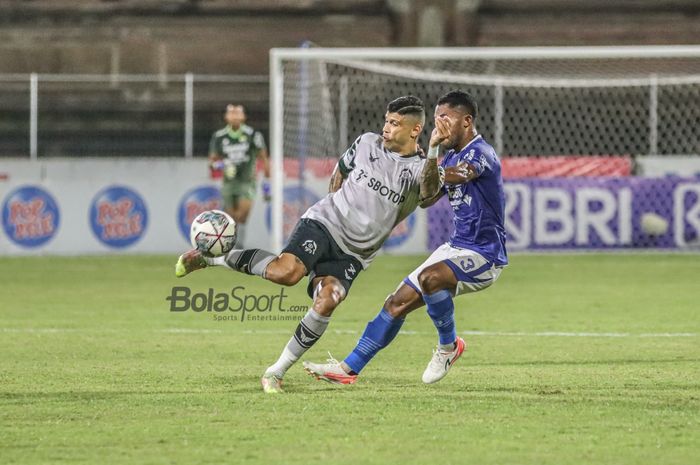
point(245, 110)
point(407, 105)
point(458, 98)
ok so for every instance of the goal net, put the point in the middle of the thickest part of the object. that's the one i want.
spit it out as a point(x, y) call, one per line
point(573, 126)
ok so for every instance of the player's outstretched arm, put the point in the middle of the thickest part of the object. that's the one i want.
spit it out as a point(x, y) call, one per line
point(460, 173)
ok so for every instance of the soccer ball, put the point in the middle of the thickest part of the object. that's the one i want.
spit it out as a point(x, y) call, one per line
point(213, 233)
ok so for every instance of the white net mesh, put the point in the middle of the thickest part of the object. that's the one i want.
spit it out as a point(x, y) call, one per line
point(546, 117)
point(540, 113)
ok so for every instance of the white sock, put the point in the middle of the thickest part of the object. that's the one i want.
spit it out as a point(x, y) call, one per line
point(280, 367)
point(216, 261)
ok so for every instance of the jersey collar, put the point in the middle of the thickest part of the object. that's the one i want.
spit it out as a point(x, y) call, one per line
point(234, 133)
point(477, 137)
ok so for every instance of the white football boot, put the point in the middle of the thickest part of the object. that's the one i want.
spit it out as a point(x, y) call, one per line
point(330, 372)
point(442, 361)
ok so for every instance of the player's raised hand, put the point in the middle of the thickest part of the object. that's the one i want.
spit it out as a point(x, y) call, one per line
point(441, 131)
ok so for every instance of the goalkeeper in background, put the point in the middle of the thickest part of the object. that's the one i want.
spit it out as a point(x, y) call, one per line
point(233, 151)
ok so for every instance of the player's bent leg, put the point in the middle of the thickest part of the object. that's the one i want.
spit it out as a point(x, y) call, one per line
point(438, 284)
point(403, 301)
point(328, 295)
point(437, 277)
point(379, 333)
point(286, 269)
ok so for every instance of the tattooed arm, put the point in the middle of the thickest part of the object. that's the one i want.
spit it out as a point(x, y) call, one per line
point(429, 183)
point(431, 177)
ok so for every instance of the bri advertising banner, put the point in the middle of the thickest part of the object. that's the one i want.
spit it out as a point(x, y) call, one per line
point(594, 213)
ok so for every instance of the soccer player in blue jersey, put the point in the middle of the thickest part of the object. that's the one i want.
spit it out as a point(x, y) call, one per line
point(470, 261)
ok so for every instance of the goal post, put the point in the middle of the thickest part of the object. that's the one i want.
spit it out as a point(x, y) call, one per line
point(610, 101)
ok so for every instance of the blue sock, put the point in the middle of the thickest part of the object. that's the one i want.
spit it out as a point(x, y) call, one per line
point(442, 311)
point(378, 334)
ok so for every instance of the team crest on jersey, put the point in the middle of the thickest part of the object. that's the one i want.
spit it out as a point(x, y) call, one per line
point(405, 178)
point(309, 247)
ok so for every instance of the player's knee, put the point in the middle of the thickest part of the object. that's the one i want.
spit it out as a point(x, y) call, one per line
point(430, 281)
point(394, 307)
point(332, 289)
point(331, 292)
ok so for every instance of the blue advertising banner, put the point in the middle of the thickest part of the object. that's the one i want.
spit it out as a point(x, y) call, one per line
point(592, 213)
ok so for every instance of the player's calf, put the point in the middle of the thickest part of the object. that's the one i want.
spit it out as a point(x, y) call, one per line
point(286, 269)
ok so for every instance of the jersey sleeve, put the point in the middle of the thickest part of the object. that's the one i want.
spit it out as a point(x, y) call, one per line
point(259, 141)
point(476, 160)
point(347, 160)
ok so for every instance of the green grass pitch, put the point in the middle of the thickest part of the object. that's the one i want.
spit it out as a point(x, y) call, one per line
point(571, 359)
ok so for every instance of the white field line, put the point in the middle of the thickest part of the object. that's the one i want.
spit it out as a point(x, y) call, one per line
point(500, 333)
point(352, 331)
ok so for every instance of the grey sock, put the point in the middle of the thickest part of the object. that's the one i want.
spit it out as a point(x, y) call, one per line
point(309, 330)
point(251, 261)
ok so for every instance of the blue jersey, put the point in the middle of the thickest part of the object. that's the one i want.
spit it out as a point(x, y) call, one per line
point(478, 205)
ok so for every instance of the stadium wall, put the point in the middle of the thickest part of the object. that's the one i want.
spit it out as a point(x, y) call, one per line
point(103, 206)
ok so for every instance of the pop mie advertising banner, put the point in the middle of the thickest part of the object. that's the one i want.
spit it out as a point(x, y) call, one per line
point(593, 213)
point(96, 206)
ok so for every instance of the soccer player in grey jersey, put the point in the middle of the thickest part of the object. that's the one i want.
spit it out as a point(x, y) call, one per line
point(377, 182)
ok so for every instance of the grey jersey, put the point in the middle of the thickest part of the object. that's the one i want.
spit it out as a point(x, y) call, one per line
point(381, 189)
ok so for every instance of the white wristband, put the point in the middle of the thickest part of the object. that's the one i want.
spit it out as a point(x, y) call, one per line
point(433, 153)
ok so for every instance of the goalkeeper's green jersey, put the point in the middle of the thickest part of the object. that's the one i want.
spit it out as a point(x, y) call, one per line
point(238, 149)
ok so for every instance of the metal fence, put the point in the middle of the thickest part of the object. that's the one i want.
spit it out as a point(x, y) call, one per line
point(121, 115)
